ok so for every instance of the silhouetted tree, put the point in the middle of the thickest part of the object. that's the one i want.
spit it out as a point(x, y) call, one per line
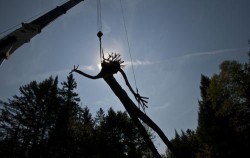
point(119, 137)
point(99, 118)
point(47, 121)
point(27, 119)
point(187, 144)
point(61, 140)
point(86, 133)
point(223, 117)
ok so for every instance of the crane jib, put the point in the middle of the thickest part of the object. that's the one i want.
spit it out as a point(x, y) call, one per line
point(45, 19)
point(26, 32)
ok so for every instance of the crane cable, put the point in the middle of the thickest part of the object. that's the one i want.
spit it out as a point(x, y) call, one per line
point(99, 16)
point(99, 28)
point(129, 49)
point(100, 34)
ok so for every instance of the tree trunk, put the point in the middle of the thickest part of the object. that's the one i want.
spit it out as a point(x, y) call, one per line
point(130, 106)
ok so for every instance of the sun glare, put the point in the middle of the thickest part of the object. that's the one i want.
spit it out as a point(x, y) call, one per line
point(99, 66)
point(105, 56)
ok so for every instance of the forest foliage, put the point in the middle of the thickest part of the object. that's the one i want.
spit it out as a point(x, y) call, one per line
point(47, 121)
point(223, 117)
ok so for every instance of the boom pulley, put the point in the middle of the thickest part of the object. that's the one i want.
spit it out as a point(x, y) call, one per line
point(99, 35)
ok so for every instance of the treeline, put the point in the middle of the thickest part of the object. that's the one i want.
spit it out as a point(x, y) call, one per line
point(47, 121)
point(223, 118)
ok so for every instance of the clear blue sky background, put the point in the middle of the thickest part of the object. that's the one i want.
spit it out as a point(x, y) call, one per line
point(172, 43)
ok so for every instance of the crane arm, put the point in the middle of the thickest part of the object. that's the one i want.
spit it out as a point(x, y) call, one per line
point(27, 31)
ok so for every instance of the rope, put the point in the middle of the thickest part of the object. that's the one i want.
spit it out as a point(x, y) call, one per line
point(99, 16)
point(129, 50)
point(99, 27)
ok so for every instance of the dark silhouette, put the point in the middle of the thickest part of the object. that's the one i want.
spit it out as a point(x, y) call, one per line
point(47, 121)
point(223, 117)
point(111, 65)
point(22, 35)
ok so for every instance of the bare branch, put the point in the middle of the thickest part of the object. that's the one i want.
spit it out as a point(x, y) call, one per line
point(140, 99)
point(75, 69)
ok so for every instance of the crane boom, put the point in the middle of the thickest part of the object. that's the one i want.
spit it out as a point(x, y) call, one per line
point(22, 35)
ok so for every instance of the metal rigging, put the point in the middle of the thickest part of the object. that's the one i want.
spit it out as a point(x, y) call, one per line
point(27, 31)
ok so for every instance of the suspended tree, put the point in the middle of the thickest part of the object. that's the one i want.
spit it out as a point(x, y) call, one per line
point(110, 66)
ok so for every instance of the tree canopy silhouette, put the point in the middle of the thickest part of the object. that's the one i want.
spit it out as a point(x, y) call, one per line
point(45, 120)
point(223, 117)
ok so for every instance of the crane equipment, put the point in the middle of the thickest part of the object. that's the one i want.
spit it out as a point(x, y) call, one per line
point(22, 35)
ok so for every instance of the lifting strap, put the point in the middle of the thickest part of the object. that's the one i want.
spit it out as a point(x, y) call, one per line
point(99, 35)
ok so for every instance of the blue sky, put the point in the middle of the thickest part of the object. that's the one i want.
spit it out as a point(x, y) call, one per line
point(172, 44)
